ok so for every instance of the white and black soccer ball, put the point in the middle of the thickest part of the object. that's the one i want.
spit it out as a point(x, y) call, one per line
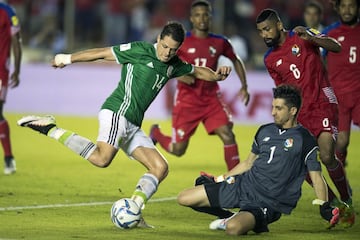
point(125, 213)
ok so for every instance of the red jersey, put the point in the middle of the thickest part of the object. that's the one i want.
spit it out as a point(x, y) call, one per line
point(9, 25)
point(344, 67)
point(298, 62)
point(202, 52)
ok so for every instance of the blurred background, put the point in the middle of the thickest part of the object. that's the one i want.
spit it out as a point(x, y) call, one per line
point(52, 26)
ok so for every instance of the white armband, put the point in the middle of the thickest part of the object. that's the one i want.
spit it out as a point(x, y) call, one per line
point(64, 59)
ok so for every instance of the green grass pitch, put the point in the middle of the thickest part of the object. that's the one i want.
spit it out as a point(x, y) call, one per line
point(54, 179)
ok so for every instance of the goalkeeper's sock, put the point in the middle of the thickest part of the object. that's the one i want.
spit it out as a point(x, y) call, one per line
point(338, 177)
point(78, 144)
point(216, 211)
point(231, 155)
point(145, 188)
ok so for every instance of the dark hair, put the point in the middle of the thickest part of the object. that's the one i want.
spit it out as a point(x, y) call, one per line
point(203, 3)
point(337, 3)
point(268, 14)
point(291, 95)
point(174, 29)
point(315, 4)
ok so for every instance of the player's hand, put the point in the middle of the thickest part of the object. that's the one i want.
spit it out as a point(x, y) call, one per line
point(329, 213)
point(244, 95)
point(208, 178)
point(61, 60)
point(204, 178)
point(302, 32)
point(14, 80)
point(222, 72)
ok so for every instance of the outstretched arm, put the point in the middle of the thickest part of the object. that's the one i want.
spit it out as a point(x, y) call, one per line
point(61, 60)
point(207, 74)
point(327, 212)
point(319, 184)
point(241, 72)
point(323, 41)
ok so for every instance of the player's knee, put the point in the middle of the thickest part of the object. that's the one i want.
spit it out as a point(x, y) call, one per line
point(234, 228)
point(103, 162)
point(160, 169)
point(178, 151)
point(327, 159)
point(227, 136)
point(185, 198)
point(342, 143)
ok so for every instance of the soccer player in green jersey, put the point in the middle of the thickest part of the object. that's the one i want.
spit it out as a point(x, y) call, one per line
point(146, 68)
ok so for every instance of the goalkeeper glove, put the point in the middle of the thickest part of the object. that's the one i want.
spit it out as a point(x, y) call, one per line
point(327, 212)
point(208, 178)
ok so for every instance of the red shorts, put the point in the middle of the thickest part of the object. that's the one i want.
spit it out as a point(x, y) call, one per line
point(349, 110)
point(4, 79)
point(320, 117)
point(211, 111)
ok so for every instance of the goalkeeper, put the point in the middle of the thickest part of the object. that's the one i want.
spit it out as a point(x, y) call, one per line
point(268, 183)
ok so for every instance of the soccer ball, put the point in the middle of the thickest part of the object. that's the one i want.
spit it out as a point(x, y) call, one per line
point(125, 213)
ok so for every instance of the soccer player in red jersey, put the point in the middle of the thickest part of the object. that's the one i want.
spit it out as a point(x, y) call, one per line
point(344, 70)
point(294, 58)
point(9, 39)
point(197, 100)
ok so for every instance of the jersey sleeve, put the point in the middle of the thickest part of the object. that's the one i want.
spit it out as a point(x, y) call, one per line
point(129, 52)
point(310, 151)
point(255, 146)
point(229, 50)
point(181, 68)
point(14, 20)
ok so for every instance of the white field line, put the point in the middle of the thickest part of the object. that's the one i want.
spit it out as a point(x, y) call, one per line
point(60, 205)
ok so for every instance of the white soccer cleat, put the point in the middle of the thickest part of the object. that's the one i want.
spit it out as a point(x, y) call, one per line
point(218, 224)
point(10, 167)
point(143, 224)
point(39, 124)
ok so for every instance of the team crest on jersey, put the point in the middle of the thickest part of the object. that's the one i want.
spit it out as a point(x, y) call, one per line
point(295, 50)
point(212, 51)
point(288, 143)
point(169, 71)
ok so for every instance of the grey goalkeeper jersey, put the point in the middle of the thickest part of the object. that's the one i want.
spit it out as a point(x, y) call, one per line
point(285, 156)
point(143, 75)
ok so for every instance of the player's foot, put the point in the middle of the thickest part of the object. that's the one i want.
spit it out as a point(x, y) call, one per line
point(39, 124)
point(220, 224)
point(143, 224)
point(10, 166)
point(347, 214)
point(153, 128)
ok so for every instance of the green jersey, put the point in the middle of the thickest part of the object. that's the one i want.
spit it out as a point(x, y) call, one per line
point(143, 75)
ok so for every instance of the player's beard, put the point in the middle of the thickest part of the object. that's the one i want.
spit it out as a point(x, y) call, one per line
point(272, 42)
point(351, 22)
